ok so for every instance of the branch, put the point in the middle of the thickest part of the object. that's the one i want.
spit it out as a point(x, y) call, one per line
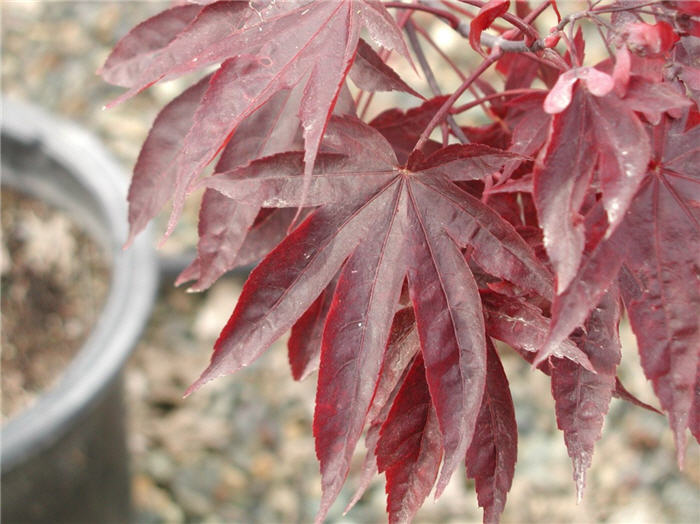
point(516, 21)
point(489, 40)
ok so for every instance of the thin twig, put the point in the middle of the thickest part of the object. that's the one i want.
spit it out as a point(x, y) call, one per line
point(426, 36)
point(447, 105)
point(430, 77)
point(486, 98)
point(489, 40)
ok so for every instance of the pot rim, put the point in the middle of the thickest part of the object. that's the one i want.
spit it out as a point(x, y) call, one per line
point(131, 295)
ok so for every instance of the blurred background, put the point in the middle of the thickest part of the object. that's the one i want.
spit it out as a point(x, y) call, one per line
point(241, 450)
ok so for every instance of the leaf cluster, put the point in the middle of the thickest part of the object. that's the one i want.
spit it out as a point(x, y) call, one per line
point(397, 250)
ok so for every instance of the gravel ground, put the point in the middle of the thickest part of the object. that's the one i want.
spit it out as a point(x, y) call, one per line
point(241, 449)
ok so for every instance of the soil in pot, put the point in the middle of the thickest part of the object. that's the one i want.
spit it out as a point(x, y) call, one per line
point(55, 279)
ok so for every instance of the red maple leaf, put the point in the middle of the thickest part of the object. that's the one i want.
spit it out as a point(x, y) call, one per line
point(492, 454)
point(658, 248)
point(262, 50)
point(378, 223)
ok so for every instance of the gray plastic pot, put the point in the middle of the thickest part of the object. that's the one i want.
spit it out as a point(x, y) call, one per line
point(64, 459)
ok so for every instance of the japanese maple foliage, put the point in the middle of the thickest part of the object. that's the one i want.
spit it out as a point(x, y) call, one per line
point(397, 249)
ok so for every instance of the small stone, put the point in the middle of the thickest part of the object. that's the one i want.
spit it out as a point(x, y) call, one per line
point(160, 466)
point(231, 480)
point(283, 500)
point(216, 309)
point(263, 466)
point(639, 511)
point(153, 504)
point(192, 490)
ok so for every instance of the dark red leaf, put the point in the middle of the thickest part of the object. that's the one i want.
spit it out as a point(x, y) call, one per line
point(283, 286)
point(134, 53)
point(523, 327)
point(662, 235)
point(582, 397)
point(409, 448)
point(686, 6)
point(156, 171)
point(394, 206)
point(530, 130)
point(402, 348)
point(356, 332)
point(686, 53)
point(305, 339)
point(560, 185)
point(371, 73)
point(654, 99)
point(467, 162)
point(483, 20)
point(224, 223)
point(493, 452)
point(450, 325)
point(663, 295)
point(402, 129)
point(599, 268)
point(592, 127)
point(520, 71)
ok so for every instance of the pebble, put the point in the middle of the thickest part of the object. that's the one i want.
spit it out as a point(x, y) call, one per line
point(153, 504)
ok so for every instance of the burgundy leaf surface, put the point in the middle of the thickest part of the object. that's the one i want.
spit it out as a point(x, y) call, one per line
point(156, 169)
point(591, 128)
point(582, 397)
point(402, 128)
point(305, 339)
point(409, 448)
point(487, 14)
point(663, 226)
point(371, 73)
point(402, 348)
point(493, 452)
point(400, 207)
point(224, 223)
point(135, 52)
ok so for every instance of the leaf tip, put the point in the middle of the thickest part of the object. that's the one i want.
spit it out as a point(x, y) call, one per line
point(214, 370)
point(193, 387)
point(580, 479)
point(129, 241)
point(197, 384)
point(442, 484)
point(114, 103)
point(541, 356)
point(680, 438)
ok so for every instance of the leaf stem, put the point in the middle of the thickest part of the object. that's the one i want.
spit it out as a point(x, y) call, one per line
point(479, 101)
point(426, 36)
point(495, 55)
point(430, 77)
